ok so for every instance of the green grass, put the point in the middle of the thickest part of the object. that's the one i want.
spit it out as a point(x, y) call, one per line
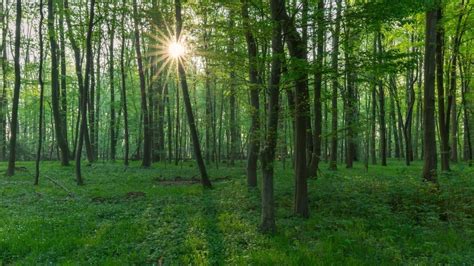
point(385, 216)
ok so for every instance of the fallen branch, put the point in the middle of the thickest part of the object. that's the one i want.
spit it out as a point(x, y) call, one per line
point(72, 195)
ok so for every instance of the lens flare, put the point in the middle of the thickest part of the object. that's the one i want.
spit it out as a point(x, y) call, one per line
point(176, 50)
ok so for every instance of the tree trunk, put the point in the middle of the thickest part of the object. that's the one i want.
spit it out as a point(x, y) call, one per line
point(113, 122)
point(335, 87)
point(63, 92)
point(268, 153)
point(429, 137)
point(41, 99)
point(84, 95)
point(4, 100)
point(318, 77)
point(144, 106)
point(124, 92)
point(297, 51)
point(253, 138)
point(443, 119)
point(187, 104)
point(16, 93)
point(55, 93)
point(383, 126)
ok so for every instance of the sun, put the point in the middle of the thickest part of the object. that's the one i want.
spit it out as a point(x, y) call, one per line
point(176, 50)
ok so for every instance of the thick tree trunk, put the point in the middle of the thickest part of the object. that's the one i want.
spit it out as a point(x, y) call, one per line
point(429, 137)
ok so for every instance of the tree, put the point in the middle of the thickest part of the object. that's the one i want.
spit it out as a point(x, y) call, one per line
point(297, 51)
point(113, 122)
point(144, 106)
point(335, 87)
point(55, 93)
point(83, 94)
point(268, 153)
point(16, 92)
point(254, 85)
point(187, 104)
point(123, 94)
point(429, 138)
point(41, 99)
point(318, 82)
point(443, 114)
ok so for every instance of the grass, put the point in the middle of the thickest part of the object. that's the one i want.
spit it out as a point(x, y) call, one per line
point(385, 216)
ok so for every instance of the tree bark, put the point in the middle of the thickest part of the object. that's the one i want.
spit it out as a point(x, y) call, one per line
point(16, 92)
point(429, 137)
point(113, 122)
point(335, 87)
point(41, 99)
point(124, 92)
point(55, 87)
point(83, 132)
point(443, 114)
point(254, 86)
point(297, 51)
point(144, 106)
point(187, 104)
point(318, 78)
point(267, 224)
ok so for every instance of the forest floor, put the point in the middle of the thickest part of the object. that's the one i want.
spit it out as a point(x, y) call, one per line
point(161, 215)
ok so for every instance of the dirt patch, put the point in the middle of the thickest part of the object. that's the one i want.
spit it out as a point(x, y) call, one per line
point(135, 195)
point(179, 180)
point(117, 199)
point(103, 200)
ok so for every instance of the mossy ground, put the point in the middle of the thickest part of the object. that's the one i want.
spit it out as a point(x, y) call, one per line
point(384, 216)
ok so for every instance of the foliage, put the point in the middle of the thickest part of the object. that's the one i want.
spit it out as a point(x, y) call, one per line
point(385, 216)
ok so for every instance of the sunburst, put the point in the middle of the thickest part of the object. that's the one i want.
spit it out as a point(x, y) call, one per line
point(167, 52)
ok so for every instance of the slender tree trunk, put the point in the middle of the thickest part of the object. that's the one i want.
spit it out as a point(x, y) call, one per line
point(63, 92)
point(55, 87)
point(318, 77)
point(113, 122)
point(16, 93)
point(4, 101)
point(41, 99)
point(268, 152)
point(187, 104)
point(383, 126)
point(144, 106)
point(254, 133)
point(124, 92)
point(335, 88)
point(297, 51)
point(443, 119)
point(83, 128)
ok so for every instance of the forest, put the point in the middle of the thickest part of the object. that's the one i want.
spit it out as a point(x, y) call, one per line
point(241, 132)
